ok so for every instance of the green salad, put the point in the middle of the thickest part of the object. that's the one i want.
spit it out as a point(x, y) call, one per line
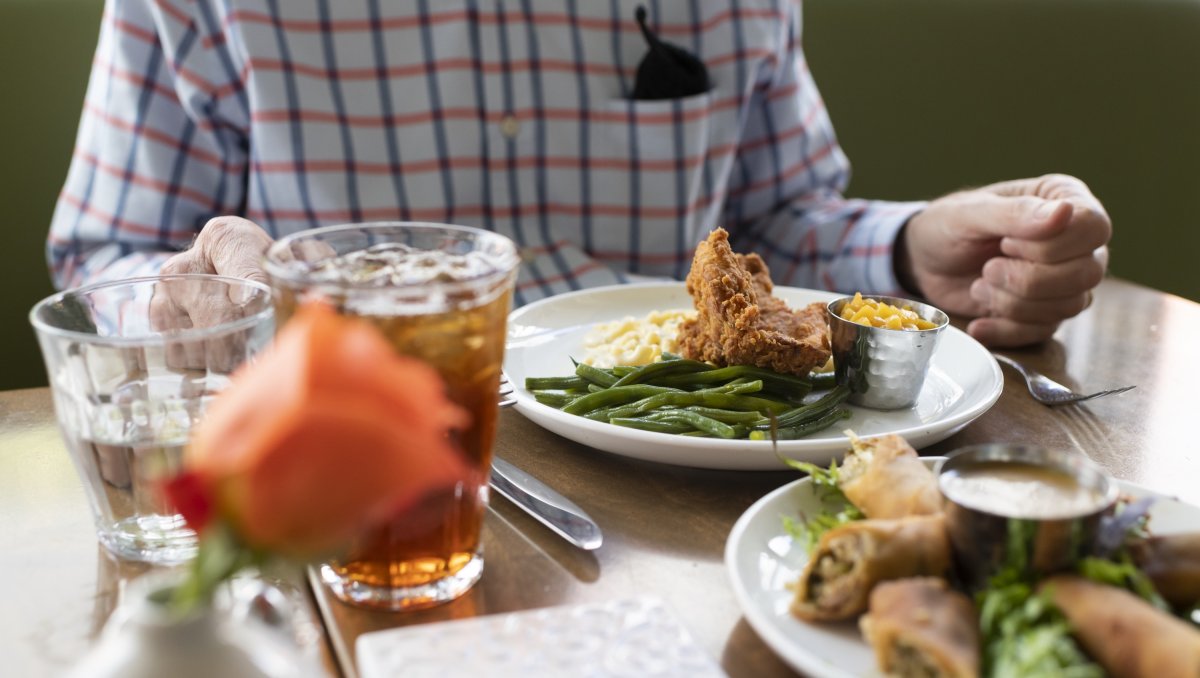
point(1023, 634)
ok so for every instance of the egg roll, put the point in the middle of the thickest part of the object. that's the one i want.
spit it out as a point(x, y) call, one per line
point(1172, 562)
point(922, 627)
point(851, 559)
point(1127, 636)
point(885, 478)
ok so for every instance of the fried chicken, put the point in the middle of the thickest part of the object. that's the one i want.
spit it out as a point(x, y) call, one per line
point(740, 322)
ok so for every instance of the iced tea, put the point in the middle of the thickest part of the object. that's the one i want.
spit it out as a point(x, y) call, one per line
point(449, 309)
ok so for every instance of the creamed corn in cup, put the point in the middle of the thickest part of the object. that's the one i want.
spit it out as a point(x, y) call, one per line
point(884, 366)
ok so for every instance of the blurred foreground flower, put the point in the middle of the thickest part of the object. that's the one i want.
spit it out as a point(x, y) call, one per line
point(328, 433)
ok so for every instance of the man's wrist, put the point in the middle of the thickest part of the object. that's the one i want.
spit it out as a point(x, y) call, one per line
point(902, 262)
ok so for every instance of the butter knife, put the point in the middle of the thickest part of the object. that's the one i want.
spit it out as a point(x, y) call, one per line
point(549, 507)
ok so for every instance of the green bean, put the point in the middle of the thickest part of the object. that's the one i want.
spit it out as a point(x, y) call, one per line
point(805, 413)
point(622, 370)
point(651, 425)
point(553, 399)
point(727, 416)
point(554, 383)
point(699, 422)
point(786, 382)
point(653, 372)
point(594, 375)
point(725, 401)
point(594, 388)
point(739, 431)
point(736, 387)
point(616, 396)
point(793, 432)
point(823, 381)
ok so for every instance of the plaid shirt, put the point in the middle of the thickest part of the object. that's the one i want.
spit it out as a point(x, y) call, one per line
point(511, 115)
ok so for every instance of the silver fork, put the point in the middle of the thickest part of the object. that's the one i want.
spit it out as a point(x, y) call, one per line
point(507, 399)
point(1049, 392)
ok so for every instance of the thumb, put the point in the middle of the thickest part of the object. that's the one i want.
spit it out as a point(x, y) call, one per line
point(986, 215)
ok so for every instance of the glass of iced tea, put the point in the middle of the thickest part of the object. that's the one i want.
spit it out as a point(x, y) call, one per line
point(132, 366)
point(442, 294)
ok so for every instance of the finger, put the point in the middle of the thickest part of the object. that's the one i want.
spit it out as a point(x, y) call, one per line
point(986, 215)
point(184, 263)
point(308, 251)
point(1004, 304)
point(1008, 333)
point(1086, 230)
point(1035, 280)
point(165, 312)
point(1049, 187)
point(216, 352)
point(235, 247)
point(113, 464)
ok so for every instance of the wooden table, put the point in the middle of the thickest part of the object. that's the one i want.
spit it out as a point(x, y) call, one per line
point(665, 526)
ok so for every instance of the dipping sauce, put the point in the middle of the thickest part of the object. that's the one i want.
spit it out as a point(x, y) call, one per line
point(1020, 490)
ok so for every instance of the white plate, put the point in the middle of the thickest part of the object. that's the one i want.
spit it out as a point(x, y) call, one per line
point(964, 381)
point(762, 561)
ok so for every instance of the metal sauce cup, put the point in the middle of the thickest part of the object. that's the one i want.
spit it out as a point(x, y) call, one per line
point(986, 541)
point(885, 369)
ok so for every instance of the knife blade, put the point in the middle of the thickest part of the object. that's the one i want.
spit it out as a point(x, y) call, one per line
point(549, 507)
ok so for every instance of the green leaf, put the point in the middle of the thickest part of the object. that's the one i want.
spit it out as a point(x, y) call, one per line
point(835, 511)
point(1122, 573)
point(1024, 635)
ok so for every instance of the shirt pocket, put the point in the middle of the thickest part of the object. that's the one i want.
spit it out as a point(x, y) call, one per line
point(655, 131)
point(653, 191)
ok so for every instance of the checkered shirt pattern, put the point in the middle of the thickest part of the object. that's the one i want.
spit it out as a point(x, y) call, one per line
point(511, 115)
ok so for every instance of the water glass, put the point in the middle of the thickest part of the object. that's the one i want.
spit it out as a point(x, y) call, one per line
point(132, 364)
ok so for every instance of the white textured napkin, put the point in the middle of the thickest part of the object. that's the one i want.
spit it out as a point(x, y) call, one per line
point(626, 638)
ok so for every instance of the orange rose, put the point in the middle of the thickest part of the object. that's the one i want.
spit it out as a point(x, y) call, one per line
point(328, 433)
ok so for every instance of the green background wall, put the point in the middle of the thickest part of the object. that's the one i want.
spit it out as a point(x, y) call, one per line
point(927, 96)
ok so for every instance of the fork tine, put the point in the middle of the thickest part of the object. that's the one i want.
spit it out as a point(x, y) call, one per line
point(1101, 394)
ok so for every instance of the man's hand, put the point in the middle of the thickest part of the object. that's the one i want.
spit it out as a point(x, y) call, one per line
point(229, 246)
point(1021, 255)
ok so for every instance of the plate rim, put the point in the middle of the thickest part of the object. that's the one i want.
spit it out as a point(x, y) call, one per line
point(772, 636)
point(928, 433)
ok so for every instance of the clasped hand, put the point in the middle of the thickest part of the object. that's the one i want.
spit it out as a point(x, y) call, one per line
point(1019, 256)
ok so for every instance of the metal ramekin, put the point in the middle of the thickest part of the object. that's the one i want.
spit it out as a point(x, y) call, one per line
point(885, 369)
point(982, 540)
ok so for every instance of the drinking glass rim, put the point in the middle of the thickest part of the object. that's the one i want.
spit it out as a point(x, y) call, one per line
point(189, 334)
point(279, 270)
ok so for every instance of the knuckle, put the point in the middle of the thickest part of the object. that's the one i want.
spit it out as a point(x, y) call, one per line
point(1092, 275)
point(180, 263)
point(216, 228)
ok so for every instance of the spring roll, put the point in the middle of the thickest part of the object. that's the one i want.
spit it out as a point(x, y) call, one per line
point(885, 478)
point(922, 627)
point(1172, 562)
point(851, 559)
point(1129, 637)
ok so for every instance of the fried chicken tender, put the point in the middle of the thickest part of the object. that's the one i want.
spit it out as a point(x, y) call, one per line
point(740, 322)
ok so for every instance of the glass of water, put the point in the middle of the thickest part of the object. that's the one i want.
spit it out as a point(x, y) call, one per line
point(132, 365)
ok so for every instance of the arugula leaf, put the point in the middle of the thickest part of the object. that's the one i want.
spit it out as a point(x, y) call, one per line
point(1025, 636)
point(1122, 573)
point(835, 511)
